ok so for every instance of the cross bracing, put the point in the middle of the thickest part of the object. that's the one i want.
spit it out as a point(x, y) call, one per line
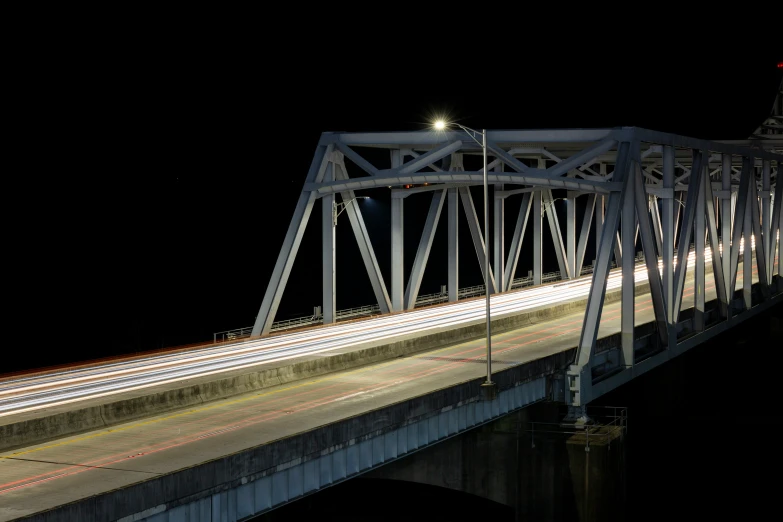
point(662, 194)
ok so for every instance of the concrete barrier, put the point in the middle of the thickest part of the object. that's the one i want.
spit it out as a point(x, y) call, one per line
point(123, 408)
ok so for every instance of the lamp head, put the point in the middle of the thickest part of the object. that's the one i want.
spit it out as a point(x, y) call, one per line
point(439, 125)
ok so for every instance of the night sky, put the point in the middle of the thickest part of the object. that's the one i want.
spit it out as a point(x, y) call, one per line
point(173, 175)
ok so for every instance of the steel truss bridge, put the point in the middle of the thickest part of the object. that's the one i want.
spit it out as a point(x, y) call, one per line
point(667, 194)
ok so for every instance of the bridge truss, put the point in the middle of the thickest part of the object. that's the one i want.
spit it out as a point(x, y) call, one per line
point(663, 192)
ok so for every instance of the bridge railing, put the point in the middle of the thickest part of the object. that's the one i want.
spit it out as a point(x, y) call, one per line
point(368, 310)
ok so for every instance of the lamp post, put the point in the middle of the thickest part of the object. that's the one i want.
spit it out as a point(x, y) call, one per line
point(339, 208)
point(488, 386)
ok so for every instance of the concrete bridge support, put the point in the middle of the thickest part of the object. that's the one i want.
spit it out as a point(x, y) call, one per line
point(543, 474)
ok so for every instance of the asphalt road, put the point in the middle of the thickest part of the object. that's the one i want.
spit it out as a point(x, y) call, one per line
point(46, 475)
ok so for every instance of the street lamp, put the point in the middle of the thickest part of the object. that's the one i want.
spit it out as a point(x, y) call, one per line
point(440, 125)
point(339, 208)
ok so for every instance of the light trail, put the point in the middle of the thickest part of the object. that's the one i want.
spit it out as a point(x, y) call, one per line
point(68, 386)
point(224, 422)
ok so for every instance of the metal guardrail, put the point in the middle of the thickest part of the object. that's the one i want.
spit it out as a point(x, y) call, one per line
point(422, 300)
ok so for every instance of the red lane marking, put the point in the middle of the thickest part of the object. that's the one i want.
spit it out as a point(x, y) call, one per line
point(310, 404)
point(211, 432)
point(100, 460)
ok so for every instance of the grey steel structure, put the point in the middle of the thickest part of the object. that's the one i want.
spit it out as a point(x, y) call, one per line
point(660, 191)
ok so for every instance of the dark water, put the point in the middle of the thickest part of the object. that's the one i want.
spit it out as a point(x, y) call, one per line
point(702, 442)
point(703, 428)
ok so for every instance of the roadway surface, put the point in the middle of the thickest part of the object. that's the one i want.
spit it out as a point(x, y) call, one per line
point(46, 475)
point(71, 386)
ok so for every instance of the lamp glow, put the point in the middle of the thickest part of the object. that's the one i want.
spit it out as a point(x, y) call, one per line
point(440, 125)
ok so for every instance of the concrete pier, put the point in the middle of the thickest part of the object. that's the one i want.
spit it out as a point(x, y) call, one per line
point(528, 462)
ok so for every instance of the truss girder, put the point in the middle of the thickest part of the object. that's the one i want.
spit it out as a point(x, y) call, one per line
point(700, 227)
point(622, 204)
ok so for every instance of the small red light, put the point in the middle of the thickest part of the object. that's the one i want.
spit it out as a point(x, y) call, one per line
point(780, 65)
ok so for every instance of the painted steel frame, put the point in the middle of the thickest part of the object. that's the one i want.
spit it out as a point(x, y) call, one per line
point(623, 173)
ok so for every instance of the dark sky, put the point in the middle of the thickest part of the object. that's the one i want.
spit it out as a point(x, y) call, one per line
point(157, 215)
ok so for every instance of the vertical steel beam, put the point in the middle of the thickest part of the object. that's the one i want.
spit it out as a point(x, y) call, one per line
point(685, 233)
point(765, 213)
point(557, 236)
point(423, 252)
point(476, 235)
point(718, 261)
point(595, 299)
point(779, 204)
point(777, 224)
point(761, 247)
point(538, 245)
point(618, 247)
point(698, 232)
point(656, 221)
point(664, 327)
point(329, 306)
point(499, 239)
point(747, 258)
point(582, 246)
point(733, 211)
point(738, 211)
point(571, 235)
point(599, 214)
point(777, 211)
point(397, 255)
point(293, 237)
point(725, 223)
point(537, 218)
point(453, 223)
point(397, 242)
point(667, 232)
point(516, 241)
point(363, 242)
point(628, 225)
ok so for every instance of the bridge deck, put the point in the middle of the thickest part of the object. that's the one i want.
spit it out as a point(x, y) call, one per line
point(43, 476)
